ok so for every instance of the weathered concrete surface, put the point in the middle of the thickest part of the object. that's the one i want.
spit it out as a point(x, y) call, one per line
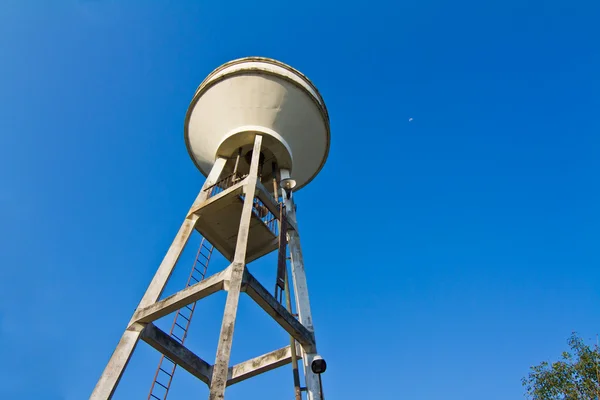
point(182, 298)
point(233, 190)
point(282, 316)
point(313, 388)
point(118, 361)
point(221, 367)
point(180, 354)
point(259, 365)
point(234, 279)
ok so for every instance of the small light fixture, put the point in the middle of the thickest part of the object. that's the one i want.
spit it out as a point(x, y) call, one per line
point(318, 365)
point(288, 184)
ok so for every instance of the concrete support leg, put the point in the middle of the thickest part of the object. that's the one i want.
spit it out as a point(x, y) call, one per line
point(109, 380)
point(313, 387)
point(238, 267)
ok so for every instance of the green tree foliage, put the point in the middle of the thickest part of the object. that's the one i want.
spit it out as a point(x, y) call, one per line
point(575, 377)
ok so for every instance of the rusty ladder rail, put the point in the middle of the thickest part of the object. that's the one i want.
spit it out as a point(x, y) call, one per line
point(181, 324)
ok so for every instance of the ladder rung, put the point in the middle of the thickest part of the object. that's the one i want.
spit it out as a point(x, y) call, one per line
point(188, 307)
point(204, 250)
point(202, 265)
point(169, 360)
point(180, 326)
point(184, 317)
point(156, 397)
point(190, 310)
point(168, 373)
point(162, 385)
point(176, 337)
point(194, 278)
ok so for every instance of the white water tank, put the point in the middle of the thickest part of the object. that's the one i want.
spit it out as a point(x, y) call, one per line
point(257, 95)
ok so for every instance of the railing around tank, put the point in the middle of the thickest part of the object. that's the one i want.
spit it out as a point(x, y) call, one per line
point(224, 184)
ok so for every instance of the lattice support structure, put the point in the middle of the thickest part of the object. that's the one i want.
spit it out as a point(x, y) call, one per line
point(235, 279)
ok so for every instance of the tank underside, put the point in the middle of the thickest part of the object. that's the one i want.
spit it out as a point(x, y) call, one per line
point(259, 96)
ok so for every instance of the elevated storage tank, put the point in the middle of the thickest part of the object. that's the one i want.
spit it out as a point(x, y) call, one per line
point(258, 130)
point(259, 95)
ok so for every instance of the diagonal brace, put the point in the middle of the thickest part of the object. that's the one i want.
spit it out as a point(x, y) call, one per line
point(178, 353)
point(182, 298)
point(282, 316)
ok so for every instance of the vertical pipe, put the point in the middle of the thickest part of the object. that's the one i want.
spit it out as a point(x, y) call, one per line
point(286, 288)
point(288, 303)
point(313, 389)
point(261, 164)
point(321, 387)
point(274, 166)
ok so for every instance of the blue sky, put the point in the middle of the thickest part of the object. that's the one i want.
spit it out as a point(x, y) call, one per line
point(445, 255)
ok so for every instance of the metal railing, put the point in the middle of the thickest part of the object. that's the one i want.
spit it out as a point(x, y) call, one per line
point(262, 212)
point(224, 184)
point(265, 215)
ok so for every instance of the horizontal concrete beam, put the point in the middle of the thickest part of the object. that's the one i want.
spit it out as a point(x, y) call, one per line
point(178, 353)
point(282, 316)
point(259, 365)
point(182, 298)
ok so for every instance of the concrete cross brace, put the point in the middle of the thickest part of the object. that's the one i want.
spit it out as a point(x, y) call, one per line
point(177, 352)
point(202, 370)
point(259, 365)
point(182, 298)
point(282, 316)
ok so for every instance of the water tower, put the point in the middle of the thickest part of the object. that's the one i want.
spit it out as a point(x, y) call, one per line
point(259, 131)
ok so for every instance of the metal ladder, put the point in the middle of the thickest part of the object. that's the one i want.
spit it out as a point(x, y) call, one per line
point(181, 324)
